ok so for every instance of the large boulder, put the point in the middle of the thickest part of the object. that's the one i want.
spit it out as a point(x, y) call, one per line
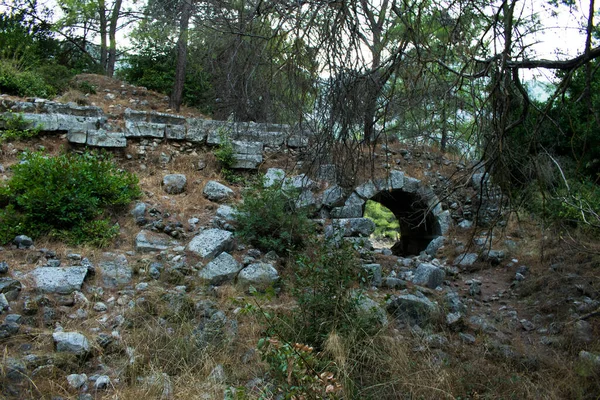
point(412, 309)
point(428, 275)
point(259, 275)
point(174, 183)
point(215, 191)
point(222, 269)
point(354, 226)
point(62, 280)
point(211, 242)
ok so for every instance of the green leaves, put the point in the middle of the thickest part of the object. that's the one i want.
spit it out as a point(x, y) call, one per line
point(65, 196)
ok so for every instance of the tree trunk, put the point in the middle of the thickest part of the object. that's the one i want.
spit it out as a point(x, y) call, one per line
point(112, 52)
point(182, 42)
point(103, 32)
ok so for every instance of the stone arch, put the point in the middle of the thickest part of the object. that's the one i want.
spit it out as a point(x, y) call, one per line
point(423, 222)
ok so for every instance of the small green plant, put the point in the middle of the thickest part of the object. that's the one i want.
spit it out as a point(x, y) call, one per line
point(269, 219)
point(15, 127)
point(296, 370)
point(326, 274)
point(67, 196)
point(86, 87)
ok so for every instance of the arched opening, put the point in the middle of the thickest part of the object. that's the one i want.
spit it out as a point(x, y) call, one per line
point(418, 227)
point(387, 226)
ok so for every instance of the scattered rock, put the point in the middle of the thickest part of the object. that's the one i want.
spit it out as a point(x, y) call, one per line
point(10, 287)
point(215, 191)
point(174, 183)
point(115, 270)
point(412, 309)
point(77, 381)
point(62, 280)
point(222, 269)
point(370, 310)
point(373, 274)
point(71, 342)
point(466, 260)
point(211, 242)
point(23, 242)
point(147, 241)
point(429, 275)
point(258, 275)
point(3, 267)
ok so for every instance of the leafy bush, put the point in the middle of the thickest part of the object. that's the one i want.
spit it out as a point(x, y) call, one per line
point(67, 196)
point(22, 83)
point(326, 274)
point(268, 219)
point(14, 127)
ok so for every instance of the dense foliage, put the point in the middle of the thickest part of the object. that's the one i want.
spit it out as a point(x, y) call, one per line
point(386, 223)
point(269, 219)
point(67, 196)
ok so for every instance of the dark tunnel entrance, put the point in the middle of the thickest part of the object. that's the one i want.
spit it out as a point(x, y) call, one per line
point(418, 226)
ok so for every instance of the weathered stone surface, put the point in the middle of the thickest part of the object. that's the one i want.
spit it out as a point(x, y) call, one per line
point(215, 191)
point(333, 196)
point(4, 305)
point(466, 260)
point(433, 246)
point(353, 208)
point(297, 141)
point(3, 267)
point(259, 275)
point(444, 220)
point(144, 129)
point(175, 132)
point(23, 242)
point(428, 275)
point(78, 137)
point(62, 280)
point(299, 182)
point(366, 190)
point(77, 381)
point(274, 176)
point(71, 342)
point(211, 242)
point(147, 241)
point(242, 147)
point(412, 309)
point(246, 161)
point(174, 183)
point(306, 199)
point(354, 226)
point(115, 270)
point(411, 185)
point(222, 269)
point(9, 285)
point(196, 132)
point(102, 138)
point(165, 118)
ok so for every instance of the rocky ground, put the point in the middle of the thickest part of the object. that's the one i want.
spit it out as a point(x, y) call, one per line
point(504, 312)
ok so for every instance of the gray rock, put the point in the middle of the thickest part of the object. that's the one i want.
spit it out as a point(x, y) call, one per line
point(77, 381)
point(454, 320)
point(3, 303)
point(495, 257)
point(23, 242)
point(453, 303)
point(102, 138)
point(215, 330)
point(3, 267)
point(215, 191)
point(353, 208)
point(115, 270)
point(366, 190)
point(226, 213)
point(217, 374)
point(247, 161)
point(354, 226)
point(466, 260)
point(582, 332)
point(466, 338)
point(333, 196)
point(590, 359)
point(429, 275)
point(211, 242)
point(465, 224)
point(274, 176)
point(174, 183)
point(392, 282)
point(195, 130)
point(299, 182)
point(102, 382)
point(370, 310)
point(412, 309)
point(8, 329)
point(434, 246)
point(62, 280)
point(147, 241)
point(139, 211)
point(306, 199)
point(373, 274)
point(71, 342)
point(436, 341)
point(258, 275)
point(479, 322)
point(222, 269)
point(10, 287)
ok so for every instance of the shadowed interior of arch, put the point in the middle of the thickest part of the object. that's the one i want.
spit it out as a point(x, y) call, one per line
point(417, 225)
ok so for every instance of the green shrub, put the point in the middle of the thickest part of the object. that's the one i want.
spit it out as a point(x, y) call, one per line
point(326, 275)
point(67, 196)
point(268, 219)
point(14, 127)
point(22, 83)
